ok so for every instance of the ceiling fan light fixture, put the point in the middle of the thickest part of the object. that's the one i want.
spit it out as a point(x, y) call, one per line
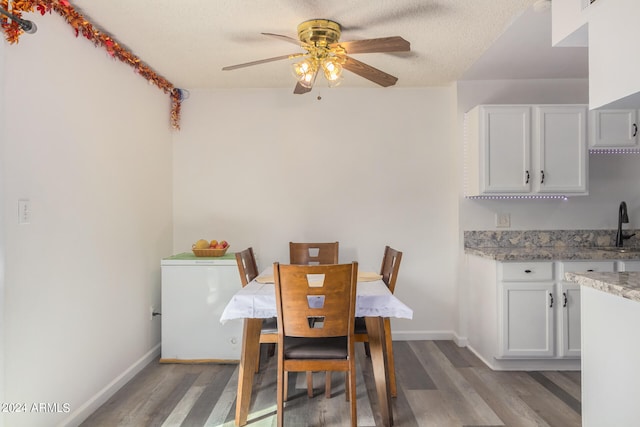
point(301, 68)
point(305, 71)
point(326, 54)
point(332, 70)
point(308, 79)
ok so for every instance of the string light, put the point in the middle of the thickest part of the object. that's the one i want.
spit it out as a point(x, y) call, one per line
point(614, 150)
point(523, 196)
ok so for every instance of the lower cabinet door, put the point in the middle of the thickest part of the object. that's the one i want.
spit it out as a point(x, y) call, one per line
point(527, 319)
point(569, 307)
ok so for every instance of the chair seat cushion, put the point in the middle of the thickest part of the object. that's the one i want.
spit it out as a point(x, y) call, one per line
point(360, 326)
point(315, 348)
point(269, 325)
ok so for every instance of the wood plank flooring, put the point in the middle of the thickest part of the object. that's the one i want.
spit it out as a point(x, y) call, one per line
point(439, 384)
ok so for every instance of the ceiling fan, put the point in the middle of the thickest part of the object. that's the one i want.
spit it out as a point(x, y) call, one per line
point(327, 54)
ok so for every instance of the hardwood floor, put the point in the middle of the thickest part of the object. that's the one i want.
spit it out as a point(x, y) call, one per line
point(439, 384)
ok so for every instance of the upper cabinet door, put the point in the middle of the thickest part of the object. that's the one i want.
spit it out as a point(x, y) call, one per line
point(613, 129)
point(560, 134)
point(505, 147)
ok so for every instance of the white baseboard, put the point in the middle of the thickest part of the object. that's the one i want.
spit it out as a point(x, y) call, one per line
point(91, 405)
point(529, 364)
point(423, 335)
point(461, 341)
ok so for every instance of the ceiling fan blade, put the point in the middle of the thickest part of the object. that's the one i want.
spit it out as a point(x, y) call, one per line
point(262, 61)
point(299, 89)
point(383, 44)
point(285, 38)
point(369, 72)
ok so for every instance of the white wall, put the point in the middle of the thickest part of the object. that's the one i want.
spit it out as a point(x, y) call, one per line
point(366, 167)
point(2, 238)
point(88, 142)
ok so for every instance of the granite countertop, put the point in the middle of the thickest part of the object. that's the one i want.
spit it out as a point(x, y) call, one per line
point(623, 284)
point(550, 253)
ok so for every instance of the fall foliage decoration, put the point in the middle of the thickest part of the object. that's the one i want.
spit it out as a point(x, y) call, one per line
point(99, 38)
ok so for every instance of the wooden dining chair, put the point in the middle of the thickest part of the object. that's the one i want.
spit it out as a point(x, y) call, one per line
point(248, 269)
point(316, 312)
point(313, 253)
point(389, 272)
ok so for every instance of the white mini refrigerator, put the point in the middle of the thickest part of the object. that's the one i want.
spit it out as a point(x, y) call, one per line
point(195, 291)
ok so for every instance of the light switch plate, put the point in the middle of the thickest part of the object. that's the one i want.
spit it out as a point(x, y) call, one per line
point(503, 220)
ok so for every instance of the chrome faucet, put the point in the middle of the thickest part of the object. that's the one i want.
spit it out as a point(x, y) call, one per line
point(623, 218)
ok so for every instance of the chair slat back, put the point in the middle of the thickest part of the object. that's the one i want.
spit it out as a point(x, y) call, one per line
point(247, 266)
point(308, 310)
point(390, 266)
point(313, 253)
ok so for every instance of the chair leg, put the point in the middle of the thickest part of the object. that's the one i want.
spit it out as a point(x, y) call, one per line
point(346, 386)
point(281, 389)
point(309, 384)
point(258, 359)
point(352, 394)
point(367, 352)
point(286, 386)
point(327, 385)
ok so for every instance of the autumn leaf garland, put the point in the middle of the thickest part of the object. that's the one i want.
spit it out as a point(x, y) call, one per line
point(83, 27)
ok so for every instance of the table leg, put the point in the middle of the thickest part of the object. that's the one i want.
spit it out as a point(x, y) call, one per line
point(390, 362)
point(247, 368)
point(377, 347)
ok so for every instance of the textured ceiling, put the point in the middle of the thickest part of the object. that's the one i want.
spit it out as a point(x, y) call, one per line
point(189, 41)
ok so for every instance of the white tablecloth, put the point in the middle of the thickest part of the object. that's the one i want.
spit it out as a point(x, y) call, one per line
point(258, 300)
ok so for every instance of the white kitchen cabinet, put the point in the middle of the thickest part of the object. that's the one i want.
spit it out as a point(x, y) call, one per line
point(527, 319)
point(569, 339)
point(540, 311)
point(613, 129)
point(568, 306)
point(499, 141)
point(524, 315)
point(560, 134)
point(614, 65)
point(195, 292)
point(523, 150)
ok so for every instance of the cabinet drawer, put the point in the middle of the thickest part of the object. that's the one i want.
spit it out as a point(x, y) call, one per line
point(527, 271)
point(628, 266)
point(584, 266)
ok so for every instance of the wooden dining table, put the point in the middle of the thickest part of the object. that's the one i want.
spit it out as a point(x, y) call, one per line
point(257, 301)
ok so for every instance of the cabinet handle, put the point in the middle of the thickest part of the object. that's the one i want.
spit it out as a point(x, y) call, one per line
point(527, 271)
point(590, 270)
point(526, 174)
point(551, 300)
point(541, 177)
point(564, 294)
point(635, 129)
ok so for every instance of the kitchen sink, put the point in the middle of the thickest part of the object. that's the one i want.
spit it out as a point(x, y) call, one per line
point(621, 250)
